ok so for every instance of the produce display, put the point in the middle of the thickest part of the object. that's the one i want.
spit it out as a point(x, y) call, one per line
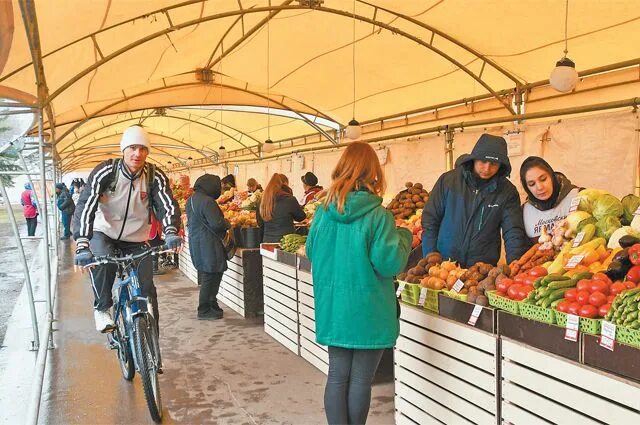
point(238, 217)
point(408, 201)
point(292, 242)
point(624, 309)
point(414, 224)
point(181, 193)
point(250, 202)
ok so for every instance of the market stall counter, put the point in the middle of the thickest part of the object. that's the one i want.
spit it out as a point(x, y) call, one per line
point(241, 287)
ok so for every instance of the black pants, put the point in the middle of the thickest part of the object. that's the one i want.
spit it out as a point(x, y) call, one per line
point(32, 223)
point(103, 276)
point(347, 395)
point(209, 286)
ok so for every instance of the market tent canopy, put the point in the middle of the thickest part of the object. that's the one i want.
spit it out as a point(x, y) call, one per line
point(102, 59)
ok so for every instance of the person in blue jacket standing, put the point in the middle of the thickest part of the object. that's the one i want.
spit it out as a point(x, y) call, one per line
point(472, 204)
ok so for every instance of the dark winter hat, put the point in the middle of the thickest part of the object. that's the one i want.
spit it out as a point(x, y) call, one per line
point(494, 149)
point(60, 186)
point(309, 179)
point(208, 184)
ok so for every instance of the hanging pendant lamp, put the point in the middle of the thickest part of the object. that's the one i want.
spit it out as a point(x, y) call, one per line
point(353, 130)
point(564, 76)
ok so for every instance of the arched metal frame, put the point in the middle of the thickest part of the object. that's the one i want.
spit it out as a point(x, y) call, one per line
point(166, 116)
point(79, 159)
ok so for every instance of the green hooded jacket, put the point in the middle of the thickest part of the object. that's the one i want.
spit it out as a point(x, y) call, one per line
point(354, 257)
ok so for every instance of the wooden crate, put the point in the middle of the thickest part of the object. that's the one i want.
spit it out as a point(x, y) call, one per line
point(444, 371)
point(538, 386)
point(311, 351)
point(241, 288)
point(280, 286)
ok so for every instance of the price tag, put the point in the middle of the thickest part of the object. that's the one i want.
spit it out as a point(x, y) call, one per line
point(401, 286)
point(574, 204)
point(423, 296)
point(457, 287)
point(578, 239)
point(571, 331)
point(474, 315)
point(637, 212)
point(607, 335)
point(574, 261)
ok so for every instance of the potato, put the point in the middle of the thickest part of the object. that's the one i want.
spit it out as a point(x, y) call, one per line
point(499, 279)
point(401, 276)
point(420, 204)
point(408, 185)
point(494, 272)
point(419, 271)
point(473, 269)
point(469, 283)
point(482, 300)
point(434, 256)
point(416, 198)
point(464, 291)
point(506, 270)
point(418, 186)
point(485, 269)
point(409, 277)
point(423, 262)
point(425, 198)
point(490, 288)
point(473, 290)
point(472, 297)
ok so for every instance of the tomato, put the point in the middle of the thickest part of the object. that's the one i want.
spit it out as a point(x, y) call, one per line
point(604, 309)
point(573, 308)
point(520, 278)
point(571, 294)
point(523, 291)
point(610, 298)
point(538, 271)
point(634, 274)
point(563, 306)
point(599, 286)
point(584, 285)
point(603, 277)
point(588, 311)
point(629, 284)
point(597, 299)
point(617, 287)
point(501, 294)
point(634, 254)
point(529, 280)
point(512, 292)
point(582, 297)
point(504, 284)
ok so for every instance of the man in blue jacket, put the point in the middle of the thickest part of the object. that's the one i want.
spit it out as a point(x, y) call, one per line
point(470, 206)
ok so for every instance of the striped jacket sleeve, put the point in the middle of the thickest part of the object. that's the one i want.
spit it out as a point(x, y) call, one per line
point(166, 207)
point(87, 206)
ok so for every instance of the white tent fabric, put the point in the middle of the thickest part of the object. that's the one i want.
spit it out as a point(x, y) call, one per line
point(105, 58)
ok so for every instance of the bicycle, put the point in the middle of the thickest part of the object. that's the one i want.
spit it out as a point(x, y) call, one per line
point(135, 336)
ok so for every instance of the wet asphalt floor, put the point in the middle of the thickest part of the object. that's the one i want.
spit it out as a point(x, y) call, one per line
point(227, 371)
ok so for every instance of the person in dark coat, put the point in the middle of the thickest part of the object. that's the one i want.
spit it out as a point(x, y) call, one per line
point(66, 206)
point(470, 205)
point(207, 226)
point(278, 210)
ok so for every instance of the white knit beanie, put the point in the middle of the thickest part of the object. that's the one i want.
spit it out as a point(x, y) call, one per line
point(134, 135)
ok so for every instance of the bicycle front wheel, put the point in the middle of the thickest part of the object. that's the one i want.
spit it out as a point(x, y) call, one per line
point(148, 362)
point(125, 358)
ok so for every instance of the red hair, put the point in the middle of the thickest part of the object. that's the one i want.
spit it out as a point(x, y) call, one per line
point(276, 185)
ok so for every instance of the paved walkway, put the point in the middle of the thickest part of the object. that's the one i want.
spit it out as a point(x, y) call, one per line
point(226, 372)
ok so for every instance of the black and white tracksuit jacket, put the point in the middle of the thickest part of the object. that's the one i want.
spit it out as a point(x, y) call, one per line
point(122, 214)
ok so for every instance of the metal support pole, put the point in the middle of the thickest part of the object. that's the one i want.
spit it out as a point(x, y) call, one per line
point(25, 267)
point(28, 174)
point(448, 148)
point(45, 212)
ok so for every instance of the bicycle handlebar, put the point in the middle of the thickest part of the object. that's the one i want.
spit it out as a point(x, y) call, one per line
point(106, 259)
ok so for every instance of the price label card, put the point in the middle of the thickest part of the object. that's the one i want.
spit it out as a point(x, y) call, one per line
point(400, 288)
point(571, 331)
point(574, 261)
point(457, 287)
point(608, 335)
point(474, 315)
point(637, 212)
point(574, 204)
point(578, 239)
point(423, 296)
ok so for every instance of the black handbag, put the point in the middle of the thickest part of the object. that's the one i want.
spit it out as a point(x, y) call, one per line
point(228, 242)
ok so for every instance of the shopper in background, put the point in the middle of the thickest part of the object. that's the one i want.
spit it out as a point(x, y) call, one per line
point(470, 205)
point(67, 207)
point(278, 210)
point(228, 182)
point(30, 209)
point(76, 188)
point(207, 227)
point(311, 188)
point(549, 196)
point(355, 249)
point(253, 186)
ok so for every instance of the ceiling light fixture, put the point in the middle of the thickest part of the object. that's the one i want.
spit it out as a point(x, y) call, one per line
point(353, 130)
point(564, 76)
point(268, 146)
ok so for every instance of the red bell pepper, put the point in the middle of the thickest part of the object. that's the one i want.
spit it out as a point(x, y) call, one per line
point(634, 254)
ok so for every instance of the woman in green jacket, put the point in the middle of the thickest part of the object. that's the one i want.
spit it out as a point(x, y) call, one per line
point(355, 250)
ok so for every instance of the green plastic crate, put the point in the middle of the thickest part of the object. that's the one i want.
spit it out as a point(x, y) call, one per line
point(456, 295)
point(503, 303)
point(431, 302)
point(411, 293)
point(537, 313)
point(628, 336)
point(587, 326)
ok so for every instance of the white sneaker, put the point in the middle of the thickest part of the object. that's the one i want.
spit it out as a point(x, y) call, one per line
point(104, 323)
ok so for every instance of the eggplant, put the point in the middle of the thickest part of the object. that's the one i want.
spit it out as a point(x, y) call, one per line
point(622, 257)
point(616, 271)
point(627, 241)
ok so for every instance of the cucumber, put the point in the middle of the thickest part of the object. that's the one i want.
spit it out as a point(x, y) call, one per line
point(538, 282)
point(557, 284)
point(582, 275)
point(633, 315)
point(635, 325)
point(556, 302)
point(553, 277)
point(557, 294)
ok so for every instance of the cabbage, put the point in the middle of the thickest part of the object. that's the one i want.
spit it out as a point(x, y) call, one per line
point(606, 226)
point(574, 219)
point(607, 205)
point(630, 203)
point(588, 198)
point(623, 231)
point(590, 220)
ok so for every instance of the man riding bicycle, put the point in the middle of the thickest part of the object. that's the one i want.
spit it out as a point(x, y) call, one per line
point(114, 214)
